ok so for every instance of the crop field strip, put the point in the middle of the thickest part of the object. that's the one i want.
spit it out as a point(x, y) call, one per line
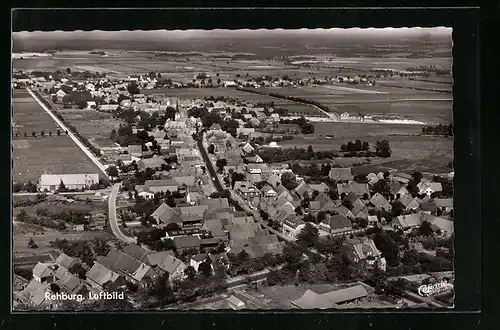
point(51, 154)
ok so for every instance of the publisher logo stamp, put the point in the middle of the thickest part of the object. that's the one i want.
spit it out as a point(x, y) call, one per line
point(427, 290)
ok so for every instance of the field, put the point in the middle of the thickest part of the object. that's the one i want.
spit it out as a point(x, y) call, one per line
point(94, 125)
point(32, 156)
point(424, 106)
point(409, 149)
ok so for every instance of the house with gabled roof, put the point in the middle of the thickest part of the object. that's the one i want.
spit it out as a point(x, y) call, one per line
point(398, 188)
point(274, 180)
point(321, 188)
point(164, 214)
point(42, 273)
point(341, 174)
point(100, 274)
point(363, 250)
point(173, 266)
point(292, 226)
point(65, 261)
point(301, 189)
point(342, 210)
point(357, 207)
point(359, 189)
point(127, 266)
point(336, 224)
point(379, 202)
point(268, 191)
point(407, 221)
point(248, 148)
point(437, 223)
point(183, 243)
point(444, 204)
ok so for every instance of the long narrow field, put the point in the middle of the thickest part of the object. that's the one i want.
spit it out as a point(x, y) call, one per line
point(32, 156)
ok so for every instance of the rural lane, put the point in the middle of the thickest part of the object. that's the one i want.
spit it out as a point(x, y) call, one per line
point(70, 134)
point(113, 220)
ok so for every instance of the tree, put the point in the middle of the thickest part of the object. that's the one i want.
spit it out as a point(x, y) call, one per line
point(383, 149)
point(308, 236)
point(112, 171)
point(79, 270)
point(190, 272)
point(58, 132)
point(54, 288)
point(32, 244)
point(220, 163)
point(81, 104)
point(397, 208)
point(211, 149)
point(417, 176)
point(205, 268)
point(54, 98)
point(68, 71)
point(33, 133)
point(62, 187)
point(113, 135)
point(425, 229)
point(365, 146)
point(132, 88)
point(25, 134)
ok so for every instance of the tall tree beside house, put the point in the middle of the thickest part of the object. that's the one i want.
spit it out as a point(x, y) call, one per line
point(68, 71)
point(205, 269)
point(112, 171)
point(62, 187)
point(42, 133)
point(33, 133)
point(190, 272)
point(133, 89)
point(54, 99)
point(425, 229)
point(170, 113)
point(220, 163)
point(78, 270)
point(308, 236)
point(50, 133)
point(417, 176)
point(211, 149)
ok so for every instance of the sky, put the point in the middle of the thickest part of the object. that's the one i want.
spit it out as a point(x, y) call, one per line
point(221, 33)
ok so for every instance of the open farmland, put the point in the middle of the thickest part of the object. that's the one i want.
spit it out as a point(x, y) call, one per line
point(95, 126)
point(408, 151)
point(423, 106)
point(32, 156)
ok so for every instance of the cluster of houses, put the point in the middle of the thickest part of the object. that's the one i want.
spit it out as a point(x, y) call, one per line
point(209, 222)
point(132, 264)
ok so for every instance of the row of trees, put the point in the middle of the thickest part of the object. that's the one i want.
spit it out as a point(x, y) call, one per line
point(445, 130)
point(306, 127)
point(279, 155)
point(357, 145)
point(23, 216)
point(34, 133)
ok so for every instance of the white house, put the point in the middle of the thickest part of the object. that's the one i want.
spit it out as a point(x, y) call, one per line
point(51, 182)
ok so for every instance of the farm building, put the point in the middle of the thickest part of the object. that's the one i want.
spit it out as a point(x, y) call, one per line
point(51, 182)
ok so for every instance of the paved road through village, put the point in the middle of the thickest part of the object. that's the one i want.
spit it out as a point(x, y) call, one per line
point(113, 220)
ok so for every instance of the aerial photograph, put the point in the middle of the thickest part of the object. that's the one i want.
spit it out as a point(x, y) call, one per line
point(232, 169)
